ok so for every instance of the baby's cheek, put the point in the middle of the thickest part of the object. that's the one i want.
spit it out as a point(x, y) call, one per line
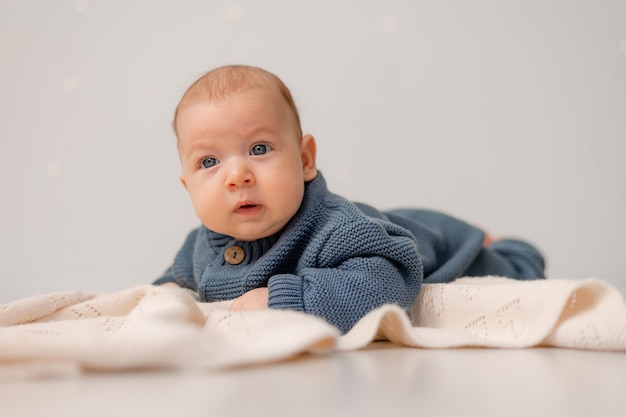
point(206, 210)
point(292, 194)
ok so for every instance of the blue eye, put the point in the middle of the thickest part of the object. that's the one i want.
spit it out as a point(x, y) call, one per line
point(260, 149)
point(208, 162)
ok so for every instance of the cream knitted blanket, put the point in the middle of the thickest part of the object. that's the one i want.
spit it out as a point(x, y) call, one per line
point(155, 327)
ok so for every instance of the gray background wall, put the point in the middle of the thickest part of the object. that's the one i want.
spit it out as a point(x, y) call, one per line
point(509, 114)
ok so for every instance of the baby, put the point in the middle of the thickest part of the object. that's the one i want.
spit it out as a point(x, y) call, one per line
point(272, 234)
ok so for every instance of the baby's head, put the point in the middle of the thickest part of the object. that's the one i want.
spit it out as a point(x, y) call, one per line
point(244, 158)
point(221, 82)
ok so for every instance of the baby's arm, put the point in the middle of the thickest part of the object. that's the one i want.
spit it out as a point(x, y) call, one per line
point(180, 273)
point(359, 268)
point(343, 295)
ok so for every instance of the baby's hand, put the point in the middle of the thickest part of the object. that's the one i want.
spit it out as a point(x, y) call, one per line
point(170, 284)
point(255, 299)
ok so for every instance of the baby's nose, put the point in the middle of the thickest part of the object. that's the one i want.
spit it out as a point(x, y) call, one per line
point(239, 176)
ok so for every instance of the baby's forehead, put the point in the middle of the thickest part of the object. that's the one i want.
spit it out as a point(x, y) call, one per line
point(270, 94)
point(239, 83)
point(249, 108)
point(226, 81)
point(255, 102)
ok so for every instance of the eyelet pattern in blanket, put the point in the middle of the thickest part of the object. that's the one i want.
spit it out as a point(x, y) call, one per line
point(156, 327)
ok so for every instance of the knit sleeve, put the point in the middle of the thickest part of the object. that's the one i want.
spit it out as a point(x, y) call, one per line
point(168, 276)
point(359, 267)
point(181, 271)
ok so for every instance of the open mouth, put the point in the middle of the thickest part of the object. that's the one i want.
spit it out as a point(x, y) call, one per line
point(248, 208)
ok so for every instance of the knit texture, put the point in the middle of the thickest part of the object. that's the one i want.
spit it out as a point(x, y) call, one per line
point(64, 333)
point(340, 260)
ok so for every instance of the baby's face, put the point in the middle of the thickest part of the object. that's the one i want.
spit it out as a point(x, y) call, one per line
point(244, 164)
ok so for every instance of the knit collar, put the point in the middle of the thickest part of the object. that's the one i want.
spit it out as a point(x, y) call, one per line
point(253, 250)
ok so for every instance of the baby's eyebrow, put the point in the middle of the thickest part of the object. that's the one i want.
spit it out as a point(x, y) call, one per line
point(194, 152)
point(199, 143)
point(258, 128)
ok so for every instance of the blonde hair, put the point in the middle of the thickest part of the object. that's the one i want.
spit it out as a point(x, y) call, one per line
point(223, 81)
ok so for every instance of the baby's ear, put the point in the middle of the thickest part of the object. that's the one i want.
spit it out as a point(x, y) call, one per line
point(308, 152)
point(182, 181)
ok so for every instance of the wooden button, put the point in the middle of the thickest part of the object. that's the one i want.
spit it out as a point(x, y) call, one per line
point(234, 255)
